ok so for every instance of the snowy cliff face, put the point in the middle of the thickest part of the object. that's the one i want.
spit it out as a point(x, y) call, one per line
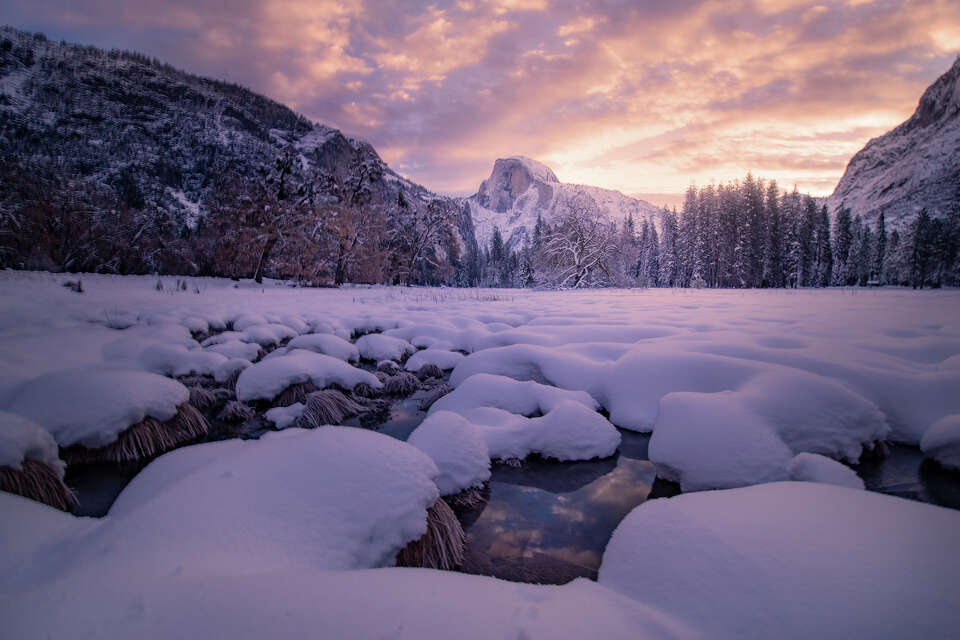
point(519, 189)
point(914, 166)
point(120, 131)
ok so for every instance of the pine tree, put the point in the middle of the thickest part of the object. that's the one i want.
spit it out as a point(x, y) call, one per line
point(920, 249)
point(823, 250)
point(880, 251)
point(773, 248)
point(842, 242)
point(668, 249)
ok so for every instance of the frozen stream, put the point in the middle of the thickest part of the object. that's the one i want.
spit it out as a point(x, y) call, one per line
point(549, 522)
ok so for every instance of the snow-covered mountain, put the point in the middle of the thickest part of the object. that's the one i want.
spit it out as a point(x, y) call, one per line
point(120, 129)
point(519, 189)
point(913, 166)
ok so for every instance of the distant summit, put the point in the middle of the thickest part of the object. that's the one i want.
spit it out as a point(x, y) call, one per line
point(519, 189)
point(914, 166)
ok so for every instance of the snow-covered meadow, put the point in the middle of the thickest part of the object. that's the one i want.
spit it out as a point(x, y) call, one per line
point(297, 532)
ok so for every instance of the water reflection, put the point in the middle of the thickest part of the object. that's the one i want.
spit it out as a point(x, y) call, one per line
point(548, 521)
point(907, 474)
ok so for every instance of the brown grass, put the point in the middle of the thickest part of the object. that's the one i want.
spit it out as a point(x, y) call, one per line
point(144, 440)
point(204, 399)
point(327, 407)
point(430, 370)
point(37, 481)
point(435, 394)
point(364, 390)
point(468, 498)
point(294, 393)
point(875, 451)
point(441, 547)
point(388, 367)
point(235, 411)
point(401, 384)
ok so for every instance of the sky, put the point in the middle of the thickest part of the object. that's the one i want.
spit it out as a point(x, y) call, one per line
point(643, 96)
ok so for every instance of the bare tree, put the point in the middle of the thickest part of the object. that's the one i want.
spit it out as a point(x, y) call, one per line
point(580, 245)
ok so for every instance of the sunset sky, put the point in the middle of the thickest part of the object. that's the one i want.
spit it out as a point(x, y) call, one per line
point(643, 97)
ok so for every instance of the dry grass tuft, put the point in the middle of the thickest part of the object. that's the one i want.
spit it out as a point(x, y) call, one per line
point(401, 384)
point(327, 407)
point(294, 393)
point(37, 481)
point(364, 390)
point(441, 547)
point(435, 394)
point(204, 399)
point(875, 451)
point(430, 370)
point(144, 440)
point(388, 367)
point(236, 411)
point(469, 498)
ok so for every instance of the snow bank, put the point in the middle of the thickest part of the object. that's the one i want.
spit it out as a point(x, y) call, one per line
point(267, 378)
point(439, 357)
point(235, 349)
point(376, 347)
point(332, 498)
point(526, 398)
point(328, 344)
point(22, 439)
point(92, 407)
point(710, 441)
point(570, 431)
point(942, 441)
point(283, 417)
point(457, 447)
point(813, 467)
point(174, 360)
point(791, 560)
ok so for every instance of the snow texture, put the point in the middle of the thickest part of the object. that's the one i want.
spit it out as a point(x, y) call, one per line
point(442, 358)
point(376, 347)
point(22, 439)
point(327, 344)
point(941, 441)
point(266, 379)
point(813, 467)
point(283, 417)
point(457, 447)
point(91, 407)
point(526, 398)
point(791, 560)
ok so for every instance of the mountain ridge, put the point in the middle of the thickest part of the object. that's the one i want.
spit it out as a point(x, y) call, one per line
point(913, 166)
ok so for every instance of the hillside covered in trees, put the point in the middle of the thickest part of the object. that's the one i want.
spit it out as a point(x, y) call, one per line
point(112, 162)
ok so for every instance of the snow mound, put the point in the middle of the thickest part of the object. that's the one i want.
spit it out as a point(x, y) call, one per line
point(267, 378)
point(331, 498)
point(175, 360)
point(710, 441)
point(810, 560)
point(327, 344)
point(228, 369)
point(91, 407)
point(283, 417)
point(457, 447)
point(813, 467)
point(235, 349)
point(526, 398)
point(942, 441)
point(570, 431)
point(22, 439)
point(376, 347)
point(439, 357)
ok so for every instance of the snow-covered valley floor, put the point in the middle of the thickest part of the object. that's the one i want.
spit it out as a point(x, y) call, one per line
point(760, 406)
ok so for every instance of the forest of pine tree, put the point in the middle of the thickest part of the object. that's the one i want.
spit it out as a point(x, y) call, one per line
point(743, 234)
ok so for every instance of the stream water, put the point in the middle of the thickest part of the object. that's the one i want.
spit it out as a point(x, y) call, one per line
point(546, 521)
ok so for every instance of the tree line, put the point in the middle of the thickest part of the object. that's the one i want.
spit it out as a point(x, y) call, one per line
point(742, 234)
